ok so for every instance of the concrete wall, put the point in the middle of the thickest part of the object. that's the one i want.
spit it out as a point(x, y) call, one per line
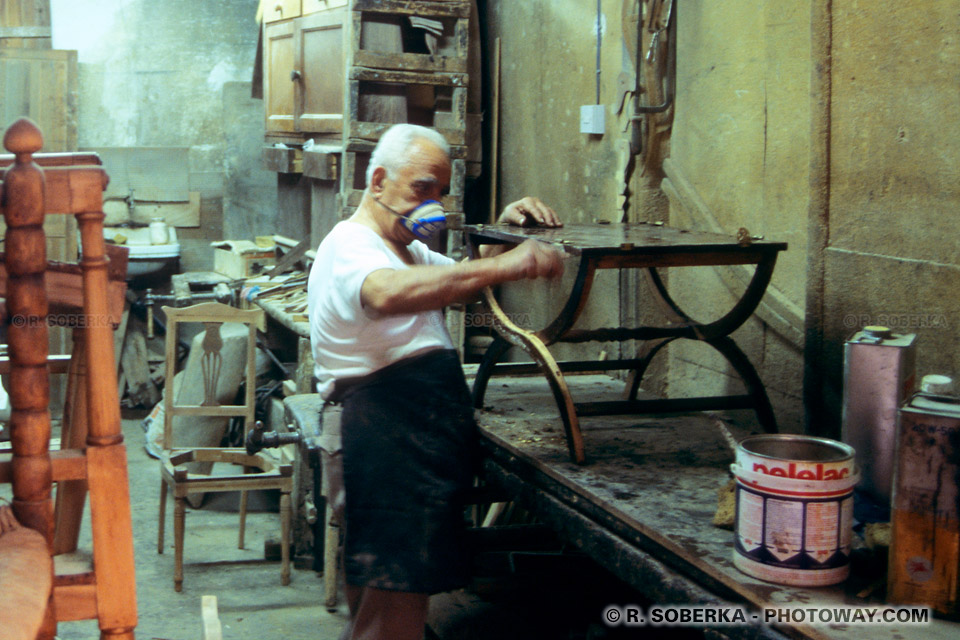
point(177, 74)
point(548, 70)
point(740, 155)
point(894, 188)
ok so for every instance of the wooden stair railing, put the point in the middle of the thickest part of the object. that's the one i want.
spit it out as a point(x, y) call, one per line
point(107, 592)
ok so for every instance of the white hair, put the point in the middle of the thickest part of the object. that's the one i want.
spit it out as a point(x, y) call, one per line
point(392, 150)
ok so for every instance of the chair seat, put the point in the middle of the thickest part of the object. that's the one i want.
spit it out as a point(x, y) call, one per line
point(26, 578)
point(269, 473)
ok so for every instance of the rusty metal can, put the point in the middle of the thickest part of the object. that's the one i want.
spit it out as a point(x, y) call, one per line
point(924, 561)
point(879, 374)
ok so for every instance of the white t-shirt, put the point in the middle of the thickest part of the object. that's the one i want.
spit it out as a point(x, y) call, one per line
point(347, 339)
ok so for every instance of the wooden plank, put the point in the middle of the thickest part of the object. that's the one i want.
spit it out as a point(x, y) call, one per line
point(26, 24)
point(75, 601)
point(393, 76)
point(65, 295)
point(151, 174)
point(459, 9)
point(41, 85)
point(210, 618)
point(175, 214)
point(66, 464)
point(64, 159)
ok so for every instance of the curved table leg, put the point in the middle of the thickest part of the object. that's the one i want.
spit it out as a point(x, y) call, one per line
point(732, 320)
point(491, 357)
point(646, 355)
point(530, 343)
point(751, 380)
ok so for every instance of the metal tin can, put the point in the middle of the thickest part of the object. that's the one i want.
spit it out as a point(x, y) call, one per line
point(794, 513)
point(924, 565)
point(879, 373)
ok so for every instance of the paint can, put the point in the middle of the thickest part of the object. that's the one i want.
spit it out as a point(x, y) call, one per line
point(924, 560)
point(794, 509)
point(878, 376)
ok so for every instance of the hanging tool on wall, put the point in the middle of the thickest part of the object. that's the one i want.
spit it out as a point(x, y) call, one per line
point(657, 79)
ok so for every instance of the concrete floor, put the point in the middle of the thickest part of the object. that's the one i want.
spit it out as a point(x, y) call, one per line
point(252, 603)
point(563, 599)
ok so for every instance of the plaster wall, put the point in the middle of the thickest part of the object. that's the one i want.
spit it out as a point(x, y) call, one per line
point(177, 73)
point(740, 156)
point(891, 253)
point(549, 69)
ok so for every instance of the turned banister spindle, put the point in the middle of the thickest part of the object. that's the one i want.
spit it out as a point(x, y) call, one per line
point(27, 334)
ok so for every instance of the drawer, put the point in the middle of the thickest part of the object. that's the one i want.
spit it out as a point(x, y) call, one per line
point(274, 10)
point(312, 6)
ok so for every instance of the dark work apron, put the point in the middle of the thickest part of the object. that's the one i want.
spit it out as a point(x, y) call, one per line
point(409, 453)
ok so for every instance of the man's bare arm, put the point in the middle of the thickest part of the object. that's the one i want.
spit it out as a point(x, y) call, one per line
point(422, 288)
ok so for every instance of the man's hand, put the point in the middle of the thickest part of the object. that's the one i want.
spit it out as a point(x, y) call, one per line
point(530, 211)
point(532, 259)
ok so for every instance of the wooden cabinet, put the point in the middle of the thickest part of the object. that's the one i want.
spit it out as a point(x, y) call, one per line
point(303, 73)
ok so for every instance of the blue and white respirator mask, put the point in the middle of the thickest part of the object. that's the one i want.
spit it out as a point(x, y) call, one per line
point(424, 221)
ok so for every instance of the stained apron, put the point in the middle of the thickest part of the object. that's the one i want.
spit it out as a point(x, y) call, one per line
point(409, 455)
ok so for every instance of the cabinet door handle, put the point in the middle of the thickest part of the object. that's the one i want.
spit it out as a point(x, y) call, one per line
point(295, 75)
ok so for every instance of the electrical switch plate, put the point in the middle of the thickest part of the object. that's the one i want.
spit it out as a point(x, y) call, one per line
point(592, 119)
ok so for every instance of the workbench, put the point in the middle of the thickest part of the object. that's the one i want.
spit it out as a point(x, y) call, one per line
point(649, 247)
point(643, 503)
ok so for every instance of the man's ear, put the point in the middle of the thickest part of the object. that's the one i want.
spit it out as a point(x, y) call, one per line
point(376, 181)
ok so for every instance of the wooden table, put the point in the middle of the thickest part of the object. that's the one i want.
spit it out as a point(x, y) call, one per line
point(639, 246)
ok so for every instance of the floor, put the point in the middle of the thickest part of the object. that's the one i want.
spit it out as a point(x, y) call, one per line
point(252, 603)
point(549, 592)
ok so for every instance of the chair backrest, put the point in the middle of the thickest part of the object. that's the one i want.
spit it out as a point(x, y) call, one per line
point(204, 400)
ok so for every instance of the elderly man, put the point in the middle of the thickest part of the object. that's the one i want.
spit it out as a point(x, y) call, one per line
point(376, 294)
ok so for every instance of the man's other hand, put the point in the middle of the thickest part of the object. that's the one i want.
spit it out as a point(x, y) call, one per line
point(530, 211)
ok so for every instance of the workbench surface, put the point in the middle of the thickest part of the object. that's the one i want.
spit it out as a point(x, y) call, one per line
point(643, 502)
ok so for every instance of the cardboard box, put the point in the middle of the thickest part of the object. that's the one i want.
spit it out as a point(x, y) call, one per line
point(241, 258)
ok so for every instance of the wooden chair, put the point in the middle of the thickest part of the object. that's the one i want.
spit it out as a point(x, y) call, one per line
point(107, 591)
point(259, 471)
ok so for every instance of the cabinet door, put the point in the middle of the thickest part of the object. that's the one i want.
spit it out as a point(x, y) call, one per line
point(279, 54)
point(312, 6)
point(274, 10)
point(320, 57)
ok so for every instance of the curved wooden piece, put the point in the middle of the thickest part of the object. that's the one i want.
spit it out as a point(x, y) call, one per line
point(646, 355)
point(751, 380)
point(532, 344)
point(575, 303)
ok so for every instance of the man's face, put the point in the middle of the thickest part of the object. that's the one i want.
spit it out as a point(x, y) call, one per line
point(426, 176)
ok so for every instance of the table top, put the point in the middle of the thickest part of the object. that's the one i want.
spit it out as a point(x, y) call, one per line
point(636, 238)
